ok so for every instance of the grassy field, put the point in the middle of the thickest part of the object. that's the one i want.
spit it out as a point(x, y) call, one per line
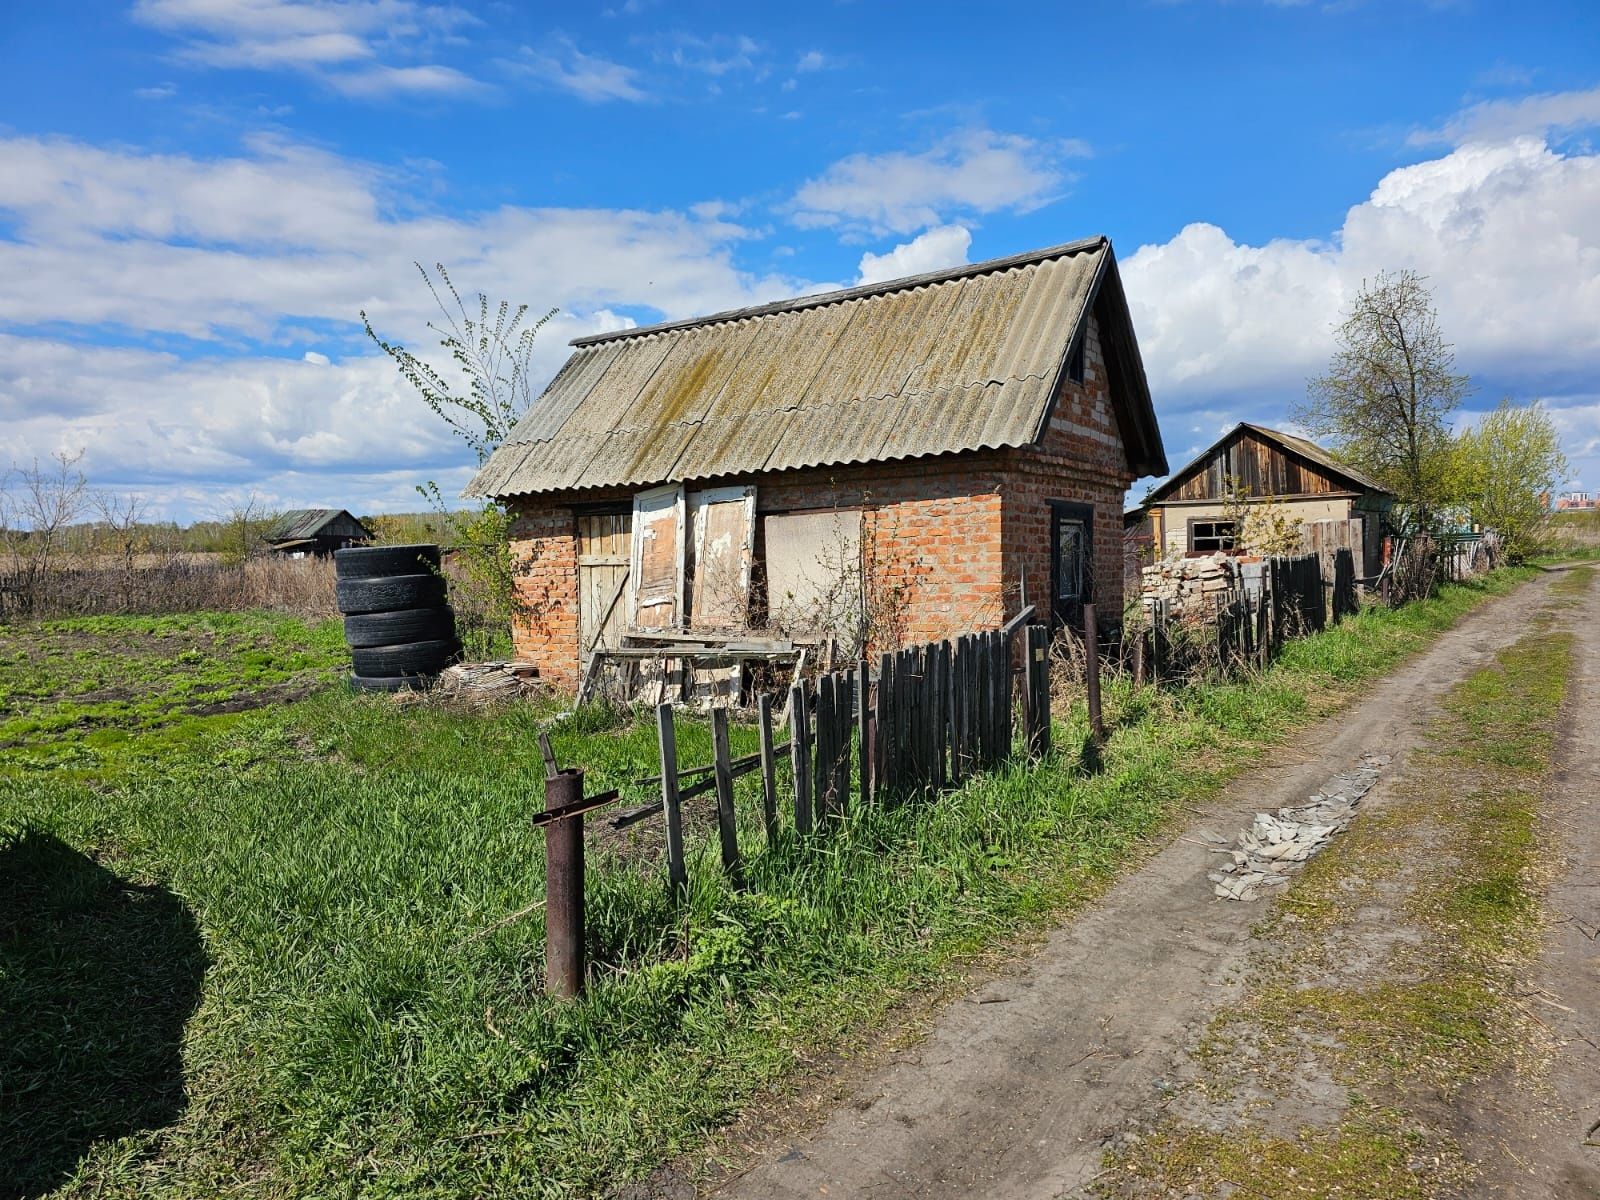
point(267, 953)
point(88, 692)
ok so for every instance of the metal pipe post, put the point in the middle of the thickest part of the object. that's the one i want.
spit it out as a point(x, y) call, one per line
point(563, 888)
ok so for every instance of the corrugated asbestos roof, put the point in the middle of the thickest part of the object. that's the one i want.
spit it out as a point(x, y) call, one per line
point(956, 360)
point(301, 523)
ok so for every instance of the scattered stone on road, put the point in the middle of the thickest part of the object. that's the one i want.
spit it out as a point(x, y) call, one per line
point(1275, 847)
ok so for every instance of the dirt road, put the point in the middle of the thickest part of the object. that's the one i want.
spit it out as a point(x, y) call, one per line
point(1018, 1086)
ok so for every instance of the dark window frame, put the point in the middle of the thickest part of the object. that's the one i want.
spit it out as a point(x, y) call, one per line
point(1070, 612)
point(1231, 537)
point(1075, 368)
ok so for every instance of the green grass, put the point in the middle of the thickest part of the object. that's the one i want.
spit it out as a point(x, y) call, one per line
point(365, 1027)
point(79, 693)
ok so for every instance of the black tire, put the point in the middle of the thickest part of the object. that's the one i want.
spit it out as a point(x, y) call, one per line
point(363, 562)
point(416, 658)
point(397, 628)
point(389, 594)
point(387, 683)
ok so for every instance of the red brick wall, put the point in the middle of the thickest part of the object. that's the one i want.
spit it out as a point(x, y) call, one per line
point(1081, 459)
point(544, 546)
point(948, 541)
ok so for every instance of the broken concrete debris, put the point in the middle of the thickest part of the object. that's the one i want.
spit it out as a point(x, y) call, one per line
point(1277, 845)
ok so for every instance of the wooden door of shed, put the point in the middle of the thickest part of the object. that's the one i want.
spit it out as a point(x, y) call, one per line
point(605, 598)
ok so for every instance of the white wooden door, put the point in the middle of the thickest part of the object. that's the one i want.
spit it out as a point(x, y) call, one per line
point(722, 524)
point(657, 558)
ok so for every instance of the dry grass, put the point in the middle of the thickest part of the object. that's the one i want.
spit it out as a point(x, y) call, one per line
point(182, 583)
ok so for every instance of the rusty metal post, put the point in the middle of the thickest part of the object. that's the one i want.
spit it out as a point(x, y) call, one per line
point(1091, 656)
point(563, 888)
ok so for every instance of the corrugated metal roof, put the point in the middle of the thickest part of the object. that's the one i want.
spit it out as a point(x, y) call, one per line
point(955, 360)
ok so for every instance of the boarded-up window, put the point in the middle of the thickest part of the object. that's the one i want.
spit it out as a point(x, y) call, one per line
point(722, 541)
point(813, 564)
point(657, 568)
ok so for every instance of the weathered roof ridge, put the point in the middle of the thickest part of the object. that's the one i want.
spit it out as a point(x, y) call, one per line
point(1317, 455)
point(1293, 443)
point(822, 299)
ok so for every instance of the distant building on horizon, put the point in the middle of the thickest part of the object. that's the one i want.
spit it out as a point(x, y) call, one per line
point(1576, 500)
point(316, 532)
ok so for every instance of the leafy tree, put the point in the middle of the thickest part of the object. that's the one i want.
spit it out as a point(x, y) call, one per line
point(1509, 461)
point(493, 354)
point(1387, 396)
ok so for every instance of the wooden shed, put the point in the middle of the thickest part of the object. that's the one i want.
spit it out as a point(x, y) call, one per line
point(316, 532)
point(1191, 513)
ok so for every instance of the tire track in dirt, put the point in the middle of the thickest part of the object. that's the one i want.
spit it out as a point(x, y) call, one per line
point(1554, 1120)
point(1017, 1085)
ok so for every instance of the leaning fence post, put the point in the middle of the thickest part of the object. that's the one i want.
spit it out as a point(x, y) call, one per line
point(864, 730)
point(799, 754)
point(1091, 655)
point(563, 888)
point(667, 742)
point(769, 769)
point(1138, 658)
point(727, 830)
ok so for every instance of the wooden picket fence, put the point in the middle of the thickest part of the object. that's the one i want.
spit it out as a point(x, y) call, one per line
point(1296, 596)
point(930, 718)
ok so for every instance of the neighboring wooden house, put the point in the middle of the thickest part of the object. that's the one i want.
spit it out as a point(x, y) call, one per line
point(1190, 512)
point(316, 532)
point(916, 455)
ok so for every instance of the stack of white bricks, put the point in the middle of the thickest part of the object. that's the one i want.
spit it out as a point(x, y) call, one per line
point(1189, 583)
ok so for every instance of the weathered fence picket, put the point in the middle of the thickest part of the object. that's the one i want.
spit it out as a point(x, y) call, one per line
point(800, 756)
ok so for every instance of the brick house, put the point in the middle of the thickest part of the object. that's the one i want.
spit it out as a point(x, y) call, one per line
point(897, 462)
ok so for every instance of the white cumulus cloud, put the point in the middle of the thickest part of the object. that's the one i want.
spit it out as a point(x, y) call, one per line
point(975, 171)
point(943, 246)
point(262, 260)
point(1507, 234)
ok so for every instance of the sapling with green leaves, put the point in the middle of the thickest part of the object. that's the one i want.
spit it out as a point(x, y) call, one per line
point(480, 396)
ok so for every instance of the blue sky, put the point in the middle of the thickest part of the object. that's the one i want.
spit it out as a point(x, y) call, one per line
point(200, 196)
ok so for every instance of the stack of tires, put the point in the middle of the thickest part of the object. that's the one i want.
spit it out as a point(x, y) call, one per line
point(400, 631)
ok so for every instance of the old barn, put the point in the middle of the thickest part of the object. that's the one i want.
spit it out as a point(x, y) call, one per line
point(897, 462)
point(316, 532)
point(1194, 511)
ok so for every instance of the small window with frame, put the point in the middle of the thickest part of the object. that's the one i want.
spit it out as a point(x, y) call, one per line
point(1075, 363)
point(1207, 537)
